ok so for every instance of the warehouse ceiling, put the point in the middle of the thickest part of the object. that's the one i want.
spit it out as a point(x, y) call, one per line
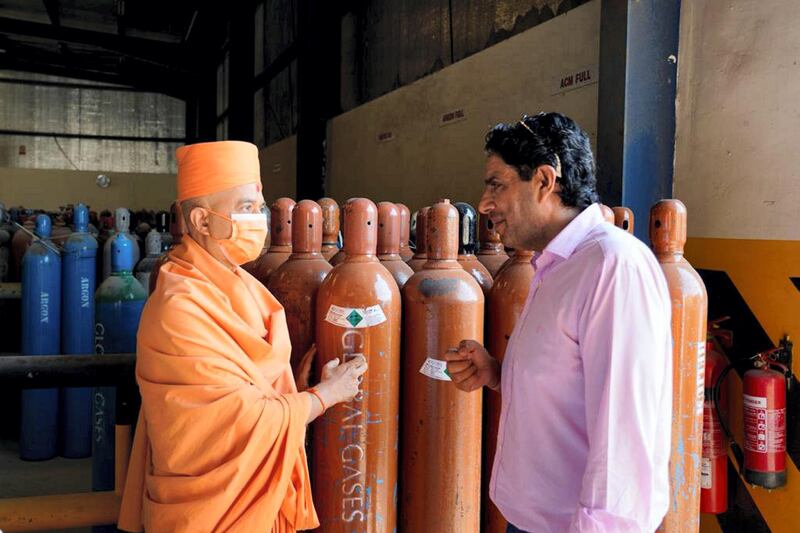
point(147, 44)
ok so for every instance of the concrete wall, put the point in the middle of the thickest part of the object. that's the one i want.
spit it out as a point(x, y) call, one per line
point(425, 160)
point(49, 189)
point(45, 171)
point(279, 169)
point(29, 105)
point(387, 44)
point(737, 169)
point(737, 166)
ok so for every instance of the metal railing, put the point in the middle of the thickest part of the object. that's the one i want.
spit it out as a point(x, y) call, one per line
point(10, 291)
point(83, 509)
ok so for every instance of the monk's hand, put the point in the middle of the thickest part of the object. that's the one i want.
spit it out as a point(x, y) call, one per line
point(340, 381)
point(471, 367)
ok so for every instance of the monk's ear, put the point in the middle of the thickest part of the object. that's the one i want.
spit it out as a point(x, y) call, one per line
point(198, 218)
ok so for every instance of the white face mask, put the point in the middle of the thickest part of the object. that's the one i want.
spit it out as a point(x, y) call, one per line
point(248, 233)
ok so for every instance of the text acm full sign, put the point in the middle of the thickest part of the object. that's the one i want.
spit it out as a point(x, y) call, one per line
point(574, 79)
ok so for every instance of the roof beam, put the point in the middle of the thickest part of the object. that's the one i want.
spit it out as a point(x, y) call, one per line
point(151, 83)
point(278, 65)
point(53, 11)
point(120, 8)
point(103, 137)
point(131, 46)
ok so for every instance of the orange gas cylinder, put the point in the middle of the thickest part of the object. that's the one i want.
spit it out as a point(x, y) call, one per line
point(491, 254)
point(441, 439)
point(330, 227)
point(295, 283)
point(280, 241)
point(506, 300)
point(177, 228)
point(420, 254)
point(511, 253)
point(61, 231)
point(105, 229)
point(389, 236)
point(405, 229)
point(689, 318)
point(354, 460)
point(20, 243)
point(623, 218)
point(468, 245)
point(608, 213)
point(338, 257)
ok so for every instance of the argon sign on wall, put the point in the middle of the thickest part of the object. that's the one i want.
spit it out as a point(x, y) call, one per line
point(575, 78)
point(453, 116)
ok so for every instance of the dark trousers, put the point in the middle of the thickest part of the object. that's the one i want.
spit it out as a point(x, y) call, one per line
point(513, 529)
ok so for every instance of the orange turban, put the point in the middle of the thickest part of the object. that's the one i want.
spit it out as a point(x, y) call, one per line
point(206, 168)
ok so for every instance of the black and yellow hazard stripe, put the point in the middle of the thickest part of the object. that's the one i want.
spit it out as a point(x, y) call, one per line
point(751, 281)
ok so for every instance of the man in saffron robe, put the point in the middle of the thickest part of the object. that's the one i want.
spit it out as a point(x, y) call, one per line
point(219, 445)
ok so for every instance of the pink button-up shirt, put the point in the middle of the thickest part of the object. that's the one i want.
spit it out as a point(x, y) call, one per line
point(584, 438)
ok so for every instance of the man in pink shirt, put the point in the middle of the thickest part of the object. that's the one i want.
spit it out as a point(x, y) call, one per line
point(586, 382)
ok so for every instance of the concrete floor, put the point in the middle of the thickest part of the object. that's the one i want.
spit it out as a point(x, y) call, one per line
point(28, 478)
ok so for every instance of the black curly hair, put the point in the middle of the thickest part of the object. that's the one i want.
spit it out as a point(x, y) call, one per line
point(545, 139)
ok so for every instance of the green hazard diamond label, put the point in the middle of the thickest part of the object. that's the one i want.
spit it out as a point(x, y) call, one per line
point(354, 318)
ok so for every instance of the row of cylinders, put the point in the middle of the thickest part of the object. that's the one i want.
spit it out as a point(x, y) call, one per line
point(63, 313)
point(411, 451)
point(157, 228)
point(355, 308)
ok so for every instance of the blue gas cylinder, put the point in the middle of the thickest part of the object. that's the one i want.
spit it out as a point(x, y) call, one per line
point(41, 335)
point(119, 301)
point(122, 224)
point(77, 331)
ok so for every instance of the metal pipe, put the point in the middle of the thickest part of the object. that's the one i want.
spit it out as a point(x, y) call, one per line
point(66, 85)
point(34, 237)
point(67, 135)
point(36, 513)
point(5, 217)
point(59, 511)
point(44, 371)
point(10, 291)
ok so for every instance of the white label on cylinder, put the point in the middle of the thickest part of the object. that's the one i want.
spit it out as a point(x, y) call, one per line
point(759, 402)
point(355, 317)
point(701, 378)
point(436, 369)
point(705, 473)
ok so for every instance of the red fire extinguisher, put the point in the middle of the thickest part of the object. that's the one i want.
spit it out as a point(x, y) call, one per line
point(764, 417)
point(763, 460)
point(714, 465)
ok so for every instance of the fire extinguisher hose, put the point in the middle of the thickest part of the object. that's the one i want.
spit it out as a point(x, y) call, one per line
point(715, 392)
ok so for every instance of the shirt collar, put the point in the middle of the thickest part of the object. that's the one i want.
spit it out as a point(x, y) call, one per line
point(568, 239)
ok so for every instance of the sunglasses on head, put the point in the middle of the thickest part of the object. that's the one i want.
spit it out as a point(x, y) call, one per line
point(558, 159)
